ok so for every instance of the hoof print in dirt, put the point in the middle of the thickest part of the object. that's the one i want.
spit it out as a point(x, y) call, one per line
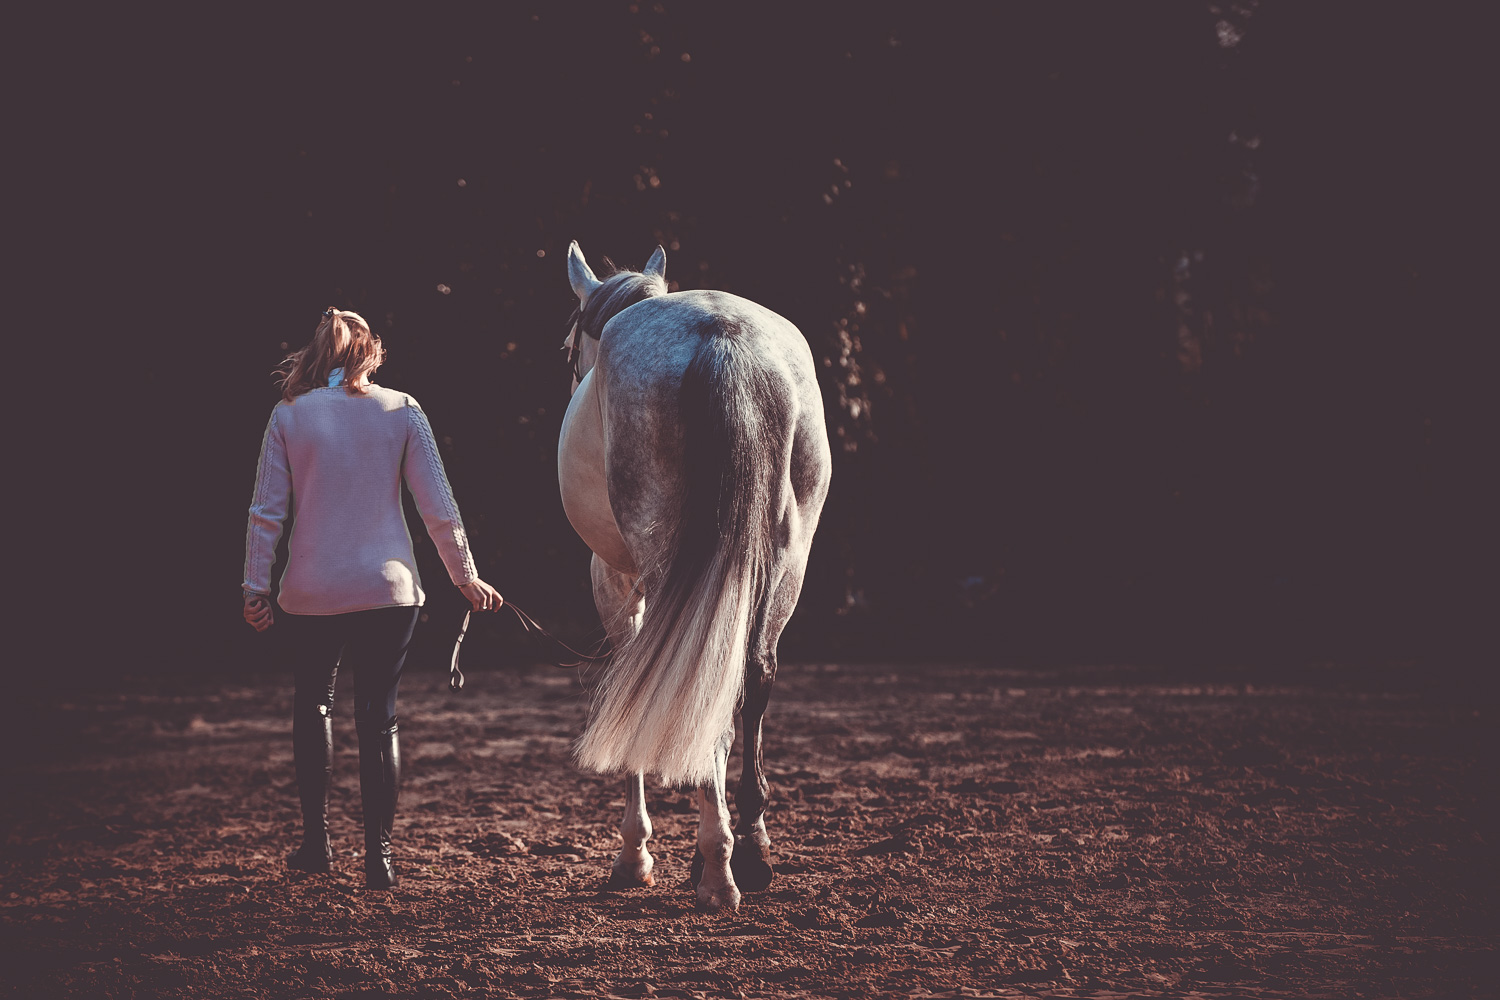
point(498, 845)
point(899, 844)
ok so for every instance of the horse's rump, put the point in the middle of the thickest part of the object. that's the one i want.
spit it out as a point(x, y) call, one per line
point(669, 695)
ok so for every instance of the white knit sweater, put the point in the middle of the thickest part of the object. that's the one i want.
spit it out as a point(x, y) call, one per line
point(335, 463)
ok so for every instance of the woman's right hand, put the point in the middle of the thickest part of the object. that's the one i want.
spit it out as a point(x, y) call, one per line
point(258, 611)
point(482, 596)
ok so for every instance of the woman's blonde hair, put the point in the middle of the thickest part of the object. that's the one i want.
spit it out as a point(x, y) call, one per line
point(342, 340)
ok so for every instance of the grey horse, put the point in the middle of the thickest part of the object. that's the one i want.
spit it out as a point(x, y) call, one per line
point(694, 462)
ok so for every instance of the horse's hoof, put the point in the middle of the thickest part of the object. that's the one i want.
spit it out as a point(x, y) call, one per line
point(751, 864)
point(633, 875)
point(725, 899)
point(620, 880)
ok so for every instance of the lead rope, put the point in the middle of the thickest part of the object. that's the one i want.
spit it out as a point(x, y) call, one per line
point(529, 624)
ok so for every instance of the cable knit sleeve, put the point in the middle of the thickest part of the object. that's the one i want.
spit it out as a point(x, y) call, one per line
point(422, 468)
point(268, 508)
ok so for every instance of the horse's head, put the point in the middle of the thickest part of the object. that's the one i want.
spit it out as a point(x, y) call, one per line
point(599, 302)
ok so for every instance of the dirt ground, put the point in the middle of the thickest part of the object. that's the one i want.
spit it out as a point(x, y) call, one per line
point(939, 831)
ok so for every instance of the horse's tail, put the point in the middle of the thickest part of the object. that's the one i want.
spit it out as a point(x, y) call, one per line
point(670, 694)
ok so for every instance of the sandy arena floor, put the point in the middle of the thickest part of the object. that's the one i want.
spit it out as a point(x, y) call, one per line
point(940, 831)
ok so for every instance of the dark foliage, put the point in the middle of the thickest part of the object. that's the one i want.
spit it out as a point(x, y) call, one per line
point(1143, 326)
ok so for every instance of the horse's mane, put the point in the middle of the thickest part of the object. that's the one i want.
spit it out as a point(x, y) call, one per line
point(622, 288)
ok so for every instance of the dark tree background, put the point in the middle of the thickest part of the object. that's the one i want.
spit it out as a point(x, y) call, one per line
point(1143, 326)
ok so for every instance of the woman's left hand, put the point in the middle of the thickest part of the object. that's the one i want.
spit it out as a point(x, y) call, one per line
point(258, 612)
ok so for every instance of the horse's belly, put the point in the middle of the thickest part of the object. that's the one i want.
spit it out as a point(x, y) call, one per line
point(582, 482)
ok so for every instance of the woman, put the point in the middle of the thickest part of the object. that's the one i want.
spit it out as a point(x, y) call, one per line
point(334, 456)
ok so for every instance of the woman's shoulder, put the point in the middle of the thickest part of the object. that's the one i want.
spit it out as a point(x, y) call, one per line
point(391, 399)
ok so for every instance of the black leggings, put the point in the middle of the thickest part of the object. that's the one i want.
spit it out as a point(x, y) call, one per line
point(371, 643)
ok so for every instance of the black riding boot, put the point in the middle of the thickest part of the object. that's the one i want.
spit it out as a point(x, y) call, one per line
point(379, 783)
point(312, 750)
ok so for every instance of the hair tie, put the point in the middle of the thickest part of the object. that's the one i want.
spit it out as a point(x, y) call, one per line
point(328, 312)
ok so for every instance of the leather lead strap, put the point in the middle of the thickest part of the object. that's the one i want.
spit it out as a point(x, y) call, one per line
point(455, 675)
point(529, 624)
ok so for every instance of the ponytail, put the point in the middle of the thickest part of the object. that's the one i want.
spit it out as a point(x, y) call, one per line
point(342, 340)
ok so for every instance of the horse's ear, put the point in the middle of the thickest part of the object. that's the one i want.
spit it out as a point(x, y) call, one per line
point(657, 265)
point(580, 275)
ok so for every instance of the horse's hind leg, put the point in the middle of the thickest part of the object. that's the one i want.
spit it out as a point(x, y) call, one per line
point(716, 889)
point(620, 607)
point(634, 864)
point(752, 844)
point(751, 860)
